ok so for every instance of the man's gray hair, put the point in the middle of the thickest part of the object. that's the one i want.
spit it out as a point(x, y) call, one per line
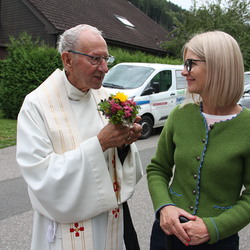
point(68, 40)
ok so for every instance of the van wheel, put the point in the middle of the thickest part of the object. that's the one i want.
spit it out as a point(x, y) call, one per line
point(147, 126)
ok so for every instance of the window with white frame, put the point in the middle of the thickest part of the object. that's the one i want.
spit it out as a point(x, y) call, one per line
point(125, 21)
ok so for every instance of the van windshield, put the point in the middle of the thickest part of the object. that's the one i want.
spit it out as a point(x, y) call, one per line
point(126, 76)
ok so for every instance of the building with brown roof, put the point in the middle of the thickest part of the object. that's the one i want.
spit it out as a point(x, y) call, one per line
point(123, 24)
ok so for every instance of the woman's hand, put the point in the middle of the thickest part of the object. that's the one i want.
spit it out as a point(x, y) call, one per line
point(197, 231)
point(170, 223)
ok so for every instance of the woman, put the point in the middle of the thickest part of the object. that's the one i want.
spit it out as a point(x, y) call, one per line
point(208, 142)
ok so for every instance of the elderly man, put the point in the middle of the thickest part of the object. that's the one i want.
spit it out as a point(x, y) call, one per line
point(80, 169)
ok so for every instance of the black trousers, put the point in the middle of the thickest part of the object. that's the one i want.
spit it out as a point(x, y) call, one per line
point(130, 235)
point(160, 241)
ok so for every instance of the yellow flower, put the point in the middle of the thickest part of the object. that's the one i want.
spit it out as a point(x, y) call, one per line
point(120, 96)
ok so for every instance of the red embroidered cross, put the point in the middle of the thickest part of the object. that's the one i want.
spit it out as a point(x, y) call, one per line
point(76, 229)
point(116, 212)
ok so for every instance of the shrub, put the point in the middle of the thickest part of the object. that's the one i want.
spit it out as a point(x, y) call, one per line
point(123, 55)
point(28, 64)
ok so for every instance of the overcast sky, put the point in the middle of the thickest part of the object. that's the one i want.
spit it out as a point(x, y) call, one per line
point(185, 4)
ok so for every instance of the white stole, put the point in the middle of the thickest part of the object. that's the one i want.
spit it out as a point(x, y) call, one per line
point(64, 133)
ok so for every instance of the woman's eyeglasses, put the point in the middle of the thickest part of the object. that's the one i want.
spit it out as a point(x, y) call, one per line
point(96, 60)
point(189, 63)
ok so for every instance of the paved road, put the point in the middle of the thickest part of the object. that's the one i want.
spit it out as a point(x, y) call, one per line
point(16, 214)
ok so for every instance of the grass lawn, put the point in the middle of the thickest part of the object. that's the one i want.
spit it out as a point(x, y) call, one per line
point(7, 133)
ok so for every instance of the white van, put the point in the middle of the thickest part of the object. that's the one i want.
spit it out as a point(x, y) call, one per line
point(247, 82)
point(245, 99)
point(157, 88)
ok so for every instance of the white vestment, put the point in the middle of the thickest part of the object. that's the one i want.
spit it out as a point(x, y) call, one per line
point(75, 185)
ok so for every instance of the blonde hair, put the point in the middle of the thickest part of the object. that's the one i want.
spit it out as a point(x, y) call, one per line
point(225, 68)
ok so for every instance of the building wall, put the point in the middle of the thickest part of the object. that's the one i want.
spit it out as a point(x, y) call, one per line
point(16, 18)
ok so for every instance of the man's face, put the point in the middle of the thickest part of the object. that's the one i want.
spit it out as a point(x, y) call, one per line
point(80, 71)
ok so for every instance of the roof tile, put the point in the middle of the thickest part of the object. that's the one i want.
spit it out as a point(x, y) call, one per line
point(64, 14)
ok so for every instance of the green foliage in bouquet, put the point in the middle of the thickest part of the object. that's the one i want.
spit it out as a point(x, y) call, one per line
point(118, 109)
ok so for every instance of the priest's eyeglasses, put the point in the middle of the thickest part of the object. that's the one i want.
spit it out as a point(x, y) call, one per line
point(96, 60)
point(189, 63)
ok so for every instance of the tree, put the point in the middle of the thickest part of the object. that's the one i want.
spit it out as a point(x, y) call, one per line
point(161, 11)
point(232, 17)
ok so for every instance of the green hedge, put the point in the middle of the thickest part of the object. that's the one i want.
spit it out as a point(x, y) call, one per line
point(123, 55)
point(30, 62)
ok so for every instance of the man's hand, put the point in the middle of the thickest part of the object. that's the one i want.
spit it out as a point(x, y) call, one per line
point(118, 135)
point(135, 131)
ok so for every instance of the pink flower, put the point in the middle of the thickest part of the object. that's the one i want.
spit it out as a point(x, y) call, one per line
point(118, 109)
point(127, 111)
point(114, 106)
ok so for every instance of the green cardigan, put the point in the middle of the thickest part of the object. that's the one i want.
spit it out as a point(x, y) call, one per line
point(211, 167)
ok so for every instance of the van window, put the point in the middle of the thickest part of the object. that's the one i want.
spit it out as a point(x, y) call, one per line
point(247, 78)
point(164, 78)
point(127, 76)
point(180, 80)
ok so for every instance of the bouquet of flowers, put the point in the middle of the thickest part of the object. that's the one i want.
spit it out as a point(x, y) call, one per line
point(118, 109)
